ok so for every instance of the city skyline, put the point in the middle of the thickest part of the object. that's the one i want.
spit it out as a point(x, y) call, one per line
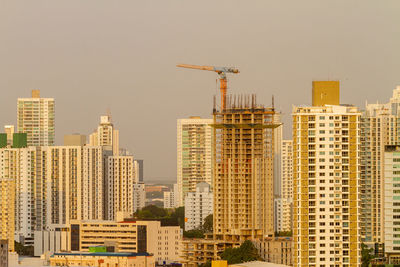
point(123, 56)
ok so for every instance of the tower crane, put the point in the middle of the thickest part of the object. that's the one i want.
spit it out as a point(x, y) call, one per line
point(222, 71)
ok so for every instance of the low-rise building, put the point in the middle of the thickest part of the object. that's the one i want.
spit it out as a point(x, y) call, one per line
point(198, 251)
point(198, 205)
point(103, 259)
point(277, 250)
point(125, 236)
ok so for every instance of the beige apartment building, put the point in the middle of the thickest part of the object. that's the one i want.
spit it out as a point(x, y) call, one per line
point(120, 186)
point(194, 154)
point(277, 250)
point(105, 135)
point(7, 209)
point(36, 117)
point(128, 236)
point(326, 168)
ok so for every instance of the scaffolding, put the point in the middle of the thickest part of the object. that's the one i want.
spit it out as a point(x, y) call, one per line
point(243, 167)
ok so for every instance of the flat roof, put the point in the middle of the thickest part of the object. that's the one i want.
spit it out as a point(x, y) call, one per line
point(112, 254)
point(259, 264)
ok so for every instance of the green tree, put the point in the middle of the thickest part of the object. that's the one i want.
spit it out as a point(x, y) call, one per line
point(23, 250)
point(206, 264)
point(179, 215)
point(246, 252)
point(367, 254)
point(195, 233)
point(208, 224)
point(283, 233)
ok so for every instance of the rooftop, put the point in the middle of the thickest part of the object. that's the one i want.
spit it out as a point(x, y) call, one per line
point(259, 264)
point(109, 254)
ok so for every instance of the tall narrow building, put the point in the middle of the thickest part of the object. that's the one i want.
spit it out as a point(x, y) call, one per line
point(379, 127)
point(106, 136)
point(36, 117)
point(326, 183)
point(194, 154)
point(243, 166)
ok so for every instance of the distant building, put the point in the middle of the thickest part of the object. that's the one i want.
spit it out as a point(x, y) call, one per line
point(36, 117)
point(7, 210)
point(171, 198)
point(120, 186)
point(194, 154)
point(139, 196)
point(198, 205)
point(140, 167)
point(74, 140)
point(102, 259)
point(106, 136)
point(277, 250)
point(9, 130)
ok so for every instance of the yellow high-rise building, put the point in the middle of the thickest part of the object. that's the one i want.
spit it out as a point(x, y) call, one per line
point(325, 93)
point(326, 180)
point(7, 209)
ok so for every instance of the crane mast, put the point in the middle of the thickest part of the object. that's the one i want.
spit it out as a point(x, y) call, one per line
point(223, 82)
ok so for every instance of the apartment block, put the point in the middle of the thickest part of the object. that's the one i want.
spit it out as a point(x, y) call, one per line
point(392, 203)
point(286, 196)
point(139, 196)
point(326, 186)
point(198, 205)
point(36, 117)
point(243, 167)
point(380, 126)
point(105, 135)
point(171, 198)
point(119, 186)
point(194, 154)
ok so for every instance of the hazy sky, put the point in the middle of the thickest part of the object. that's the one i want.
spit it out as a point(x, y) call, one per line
point(91, 55)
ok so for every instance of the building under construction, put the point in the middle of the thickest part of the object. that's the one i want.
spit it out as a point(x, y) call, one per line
point(243, 168)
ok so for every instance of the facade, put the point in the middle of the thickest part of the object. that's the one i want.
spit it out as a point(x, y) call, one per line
point(326, 184)
point(171, 198)
point(392, 203)
point(102, 259)
point(243, 167)
point(194, 154)
point(7, 209)
point(198, 205)
point(106, 136)
point(119, 186)
point(139, 196)
point(36, 117)
point(379, 127)
point(277, 250)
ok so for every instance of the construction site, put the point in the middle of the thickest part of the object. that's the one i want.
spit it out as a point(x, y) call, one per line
point(243, 173)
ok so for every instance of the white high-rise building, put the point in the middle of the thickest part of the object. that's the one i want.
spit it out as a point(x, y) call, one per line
point(198, 205)
point(9, 130)
point(194, 155)
point(120, 182)
point(285, 202)
point(171, 198)
point(36, 118)
point(106, 136)
point(139, 196)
